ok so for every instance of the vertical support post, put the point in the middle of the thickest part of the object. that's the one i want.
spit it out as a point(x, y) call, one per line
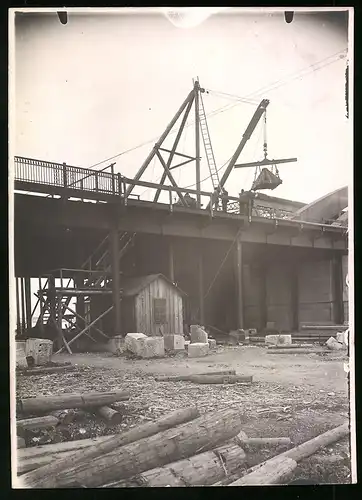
point(294, 296)
point(27, 301)
point(23, 324)
point(41, 307)
point(113, 183)
point(197, 142)
point(96, 181)
point(80, 305)
point(18, 323)
point(171, 261)
point(337, 278)
point(65, 182)
point(52, 297)
point(239, 284)
point(201, 286)
point(263, 305)
point(114, 240)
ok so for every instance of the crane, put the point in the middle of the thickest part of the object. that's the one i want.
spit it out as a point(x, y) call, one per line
point(246, 136)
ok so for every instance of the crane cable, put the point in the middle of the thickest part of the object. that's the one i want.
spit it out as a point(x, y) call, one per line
point(272, 86)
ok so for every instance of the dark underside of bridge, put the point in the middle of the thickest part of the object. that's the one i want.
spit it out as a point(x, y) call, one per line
point(235, 274)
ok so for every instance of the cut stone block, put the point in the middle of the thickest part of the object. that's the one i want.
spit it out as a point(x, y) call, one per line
point(212, 343)
point(131, 341)
point(334, 345)
point(174, 342)
point(20, 355)
point(198, 335)
point(198, 350)
point(342, 337)
point(150, 347)
point(278, 339)
point(40, 350)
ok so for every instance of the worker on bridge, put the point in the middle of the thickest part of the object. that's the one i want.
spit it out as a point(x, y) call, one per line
point(224, 199)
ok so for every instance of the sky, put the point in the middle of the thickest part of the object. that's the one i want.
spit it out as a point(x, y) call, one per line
point(103, 84)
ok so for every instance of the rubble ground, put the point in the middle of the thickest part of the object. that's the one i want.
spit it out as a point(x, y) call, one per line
point(292, 395)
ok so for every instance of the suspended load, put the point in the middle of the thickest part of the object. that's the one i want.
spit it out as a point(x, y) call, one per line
point(267, 179)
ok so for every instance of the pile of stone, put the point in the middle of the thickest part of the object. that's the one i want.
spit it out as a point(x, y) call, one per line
point(200, 344)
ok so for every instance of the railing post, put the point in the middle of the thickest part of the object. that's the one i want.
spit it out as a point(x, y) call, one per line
point(119, 182)
point(211, 206)
point(96, 180)
point(65, 183)
point(170, 198)
point(125, 192)
point(113, 184)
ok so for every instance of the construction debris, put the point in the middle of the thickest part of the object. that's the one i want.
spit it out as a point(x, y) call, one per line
point(289, 351)
point(174, 342)
point(113, 417)
point(48, 369)
point(278, 339)
point(36, 478)
point(334, 345)
point(202, 434)
point(198, 335)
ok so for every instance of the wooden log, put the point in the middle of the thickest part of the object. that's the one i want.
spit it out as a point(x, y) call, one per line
point(325, 327)
point(273, 471)
point(37, 423)
point(308, 448)
point(65, 417)
point(171, 445)
point(198, 470)
point(48, 369)
point(112, 417)
point(259, 442)
point(290, 346)
point(289, 351)
point(177, 378)
point(101, 447)
point(220, 379)
point(68, 401)
point(33, 463)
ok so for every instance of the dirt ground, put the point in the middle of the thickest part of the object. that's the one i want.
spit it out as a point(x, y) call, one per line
point(292, 395)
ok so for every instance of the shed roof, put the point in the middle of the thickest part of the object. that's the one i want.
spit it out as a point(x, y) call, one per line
point(132, 286)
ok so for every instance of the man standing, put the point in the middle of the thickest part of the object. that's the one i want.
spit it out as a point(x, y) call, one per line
point(224, 199)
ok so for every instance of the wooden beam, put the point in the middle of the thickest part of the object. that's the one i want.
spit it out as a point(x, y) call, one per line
point(172, 180)
point(266, 162)
point(197, 141)
point(191, 158)
point(239, 283)
point(160, 141)
point(173, 150)
point(116, 286)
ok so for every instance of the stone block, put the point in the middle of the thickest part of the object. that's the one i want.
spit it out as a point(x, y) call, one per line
point(278, 339)
point(131, 341)
point(174, 342)
point(20, 355)
point(41, 350)
point(334, 345)
point(198, 335)
point(150, 347)
point(198, 349)
point(342, 337)
point(212, 343)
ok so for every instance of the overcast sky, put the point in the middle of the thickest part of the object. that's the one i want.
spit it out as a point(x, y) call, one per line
point(102, 84)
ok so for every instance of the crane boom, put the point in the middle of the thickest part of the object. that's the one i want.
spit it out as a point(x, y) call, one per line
point(246, 136)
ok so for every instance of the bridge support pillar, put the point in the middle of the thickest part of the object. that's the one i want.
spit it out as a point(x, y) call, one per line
point(27, 301)
point(337, 276)
point(116, 285)
point(171, 268)
point(239, 284)
point(201, 287)
point(80, 305)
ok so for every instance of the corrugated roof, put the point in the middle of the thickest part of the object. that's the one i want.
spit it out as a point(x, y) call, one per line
point(132, 286)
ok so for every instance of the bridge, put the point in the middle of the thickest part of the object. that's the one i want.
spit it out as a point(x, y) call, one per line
point(62, 212)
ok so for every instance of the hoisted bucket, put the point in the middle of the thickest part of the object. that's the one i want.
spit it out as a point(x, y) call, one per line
point(266, 180)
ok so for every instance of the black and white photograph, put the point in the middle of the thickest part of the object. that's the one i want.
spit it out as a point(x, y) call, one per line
point(181, 247)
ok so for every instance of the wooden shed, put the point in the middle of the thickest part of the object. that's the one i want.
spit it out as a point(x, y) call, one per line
point(152, 305)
